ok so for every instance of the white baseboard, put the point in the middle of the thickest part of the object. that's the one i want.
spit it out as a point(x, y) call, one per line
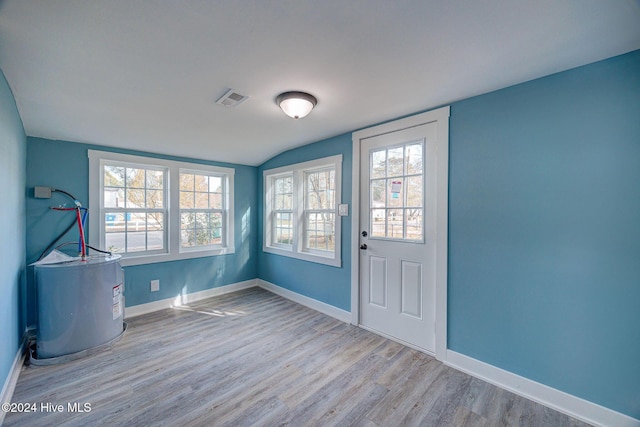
point(179, 300)
point(12, 379)
point(322, 307)
point(560, 401)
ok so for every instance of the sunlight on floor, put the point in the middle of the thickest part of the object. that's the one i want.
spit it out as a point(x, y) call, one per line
point(212, 312)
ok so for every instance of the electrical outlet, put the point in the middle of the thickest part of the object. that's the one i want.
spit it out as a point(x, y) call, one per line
point(155, 285)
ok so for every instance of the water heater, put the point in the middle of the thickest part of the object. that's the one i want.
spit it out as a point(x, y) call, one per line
point(80, 306)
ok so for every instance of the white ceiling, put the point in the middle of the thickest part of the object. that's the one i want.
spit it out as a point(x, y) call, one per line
point(146, 74)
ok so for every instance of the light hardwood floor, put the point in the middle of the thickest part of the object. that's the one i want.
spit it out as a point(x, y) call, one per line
point(254, 358)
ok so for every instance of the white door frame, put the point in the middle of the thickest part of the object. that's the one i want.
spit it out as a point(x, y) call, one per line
point(441, 116)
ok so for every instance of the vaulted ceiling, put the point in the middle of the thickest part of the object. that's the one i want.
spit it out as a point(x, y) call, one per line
point(146, 74)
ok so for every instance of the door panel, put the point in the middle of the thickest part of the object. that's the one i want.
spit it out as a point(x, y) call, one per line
point(397, 268)
point(411, 288)
point(378, 281)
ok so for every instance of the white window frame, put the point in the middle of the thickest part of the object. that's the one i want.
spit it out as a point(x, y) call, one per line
point(222, 211)
point(273, 211)
point(173, 250)
point(297, 248)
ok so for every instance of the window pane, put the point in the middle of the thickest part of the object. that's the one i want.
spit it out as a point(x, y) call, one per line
point(187, 238)
point(154, 179)
point(187, 200)
point(215, 220)
point(215, 229)
point(201, 228)
point(135, 199)
point(202, 200)
point(114, 242)
point(284, 185)
point(135, 178)
point(186, 182)
point(378, 193)
point(331, 191)
point(395, 223)
point(378, 164)
point(283, 228)
point(202, 183)
point(414, 191)
point(187, 220)
point(287, 201)
point(202, 220)
point(395, 161)
point(187, 229)
point(215, 201)
point(136, 241)
point(202, 237)
point(215, 184)
point(320, 193)
point(136, 221)
point(113, 176)
point(314, 200)
point(414, 224)
point(155, 221)
point(154, 199)
point(113, 197)
point(320, 233)
point(155, 240)
point(413, 155)
point(115, 226)
point(378, 222)
point(395, 192)
point(283, 195)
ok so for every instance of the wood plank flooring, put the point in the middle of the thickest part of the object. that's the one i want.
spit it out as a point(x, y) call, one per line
point(252, 358)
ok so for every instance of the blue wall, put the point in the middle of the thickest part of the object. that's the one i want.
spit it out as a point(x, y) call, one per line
point(544, 231)
point(12, 229)
point(65, 165)
point(331, 285)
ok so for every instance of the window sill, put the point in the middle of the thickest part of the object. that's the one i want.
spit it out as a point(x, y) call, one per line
point(152, 259)
point(330, 260)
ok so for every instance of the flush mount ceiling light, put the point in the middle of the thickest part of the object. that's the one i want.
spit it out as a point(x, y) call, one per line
point(296, 104)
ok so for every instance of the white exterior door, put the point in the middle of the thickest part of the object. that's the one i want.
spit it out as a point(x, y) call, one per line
point(398, 223)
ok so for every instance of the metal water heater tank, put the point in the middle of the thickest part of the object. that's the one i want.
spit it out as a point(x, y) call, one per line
point(80, 305)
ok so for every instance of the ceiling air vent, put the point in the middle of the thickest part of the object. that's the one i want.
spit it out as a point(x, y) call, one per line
point(232, 98)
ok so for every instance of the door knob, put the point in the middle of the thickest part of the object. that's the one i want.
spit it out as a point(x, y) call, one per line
point(363, 246)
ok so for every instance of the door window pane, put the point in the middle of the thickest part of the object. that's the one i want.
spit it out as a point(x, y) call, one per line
point(378, 193)
point(397, 192)
point(413, 158)
point(414, 191)
point(378, 222)
point(395, 161)
point(414, 224)
point(379, 164)
point(395, 223)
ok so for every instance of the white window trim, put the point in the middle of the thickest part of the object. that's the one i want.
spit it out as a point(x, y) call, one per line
point(174, 251)
point(297, 250)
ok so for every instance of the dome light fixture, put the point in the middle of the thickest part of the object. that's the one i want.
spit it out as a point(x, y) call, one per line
point(296, 104)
